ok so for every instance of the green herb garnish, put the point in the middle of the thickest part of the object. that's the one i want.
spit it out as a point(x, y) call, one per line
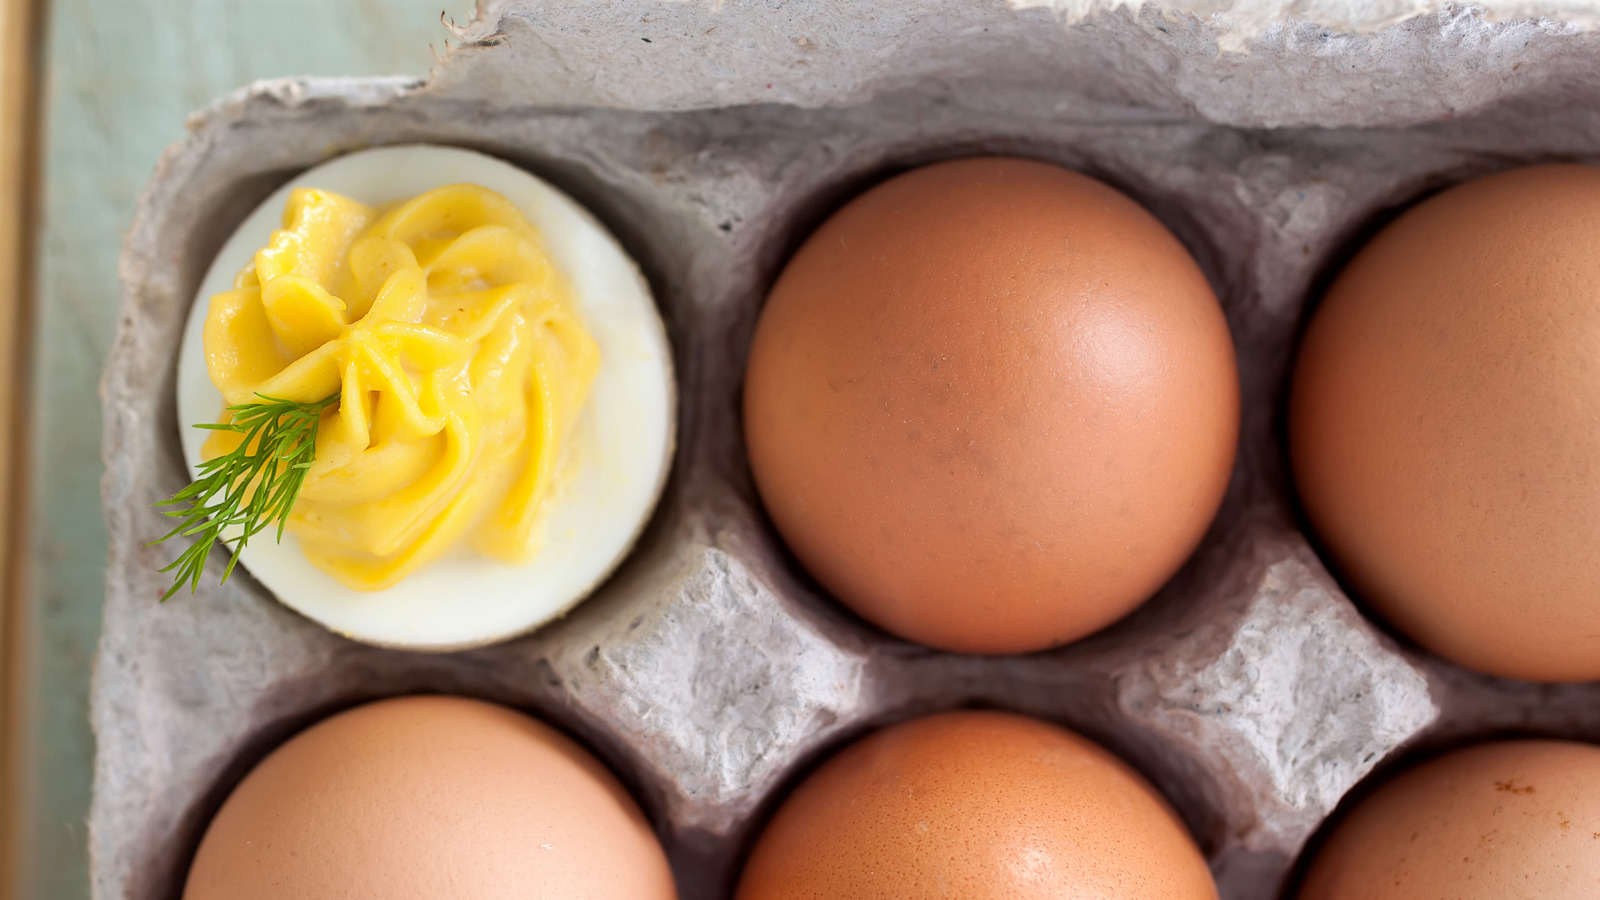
point(247, 488)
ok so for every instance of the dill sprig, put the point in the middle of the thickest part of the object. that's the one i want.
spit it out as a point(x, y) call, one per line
point(245, 490)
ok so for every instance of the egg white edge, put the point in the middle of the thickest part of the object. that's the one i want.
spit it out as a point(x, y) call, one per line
point(623, 450)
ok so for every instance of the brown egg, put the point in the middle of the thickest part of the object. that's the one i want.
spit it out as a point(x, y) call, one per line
point(1493, 822)
point(1445, 423)
point(429, 797)
point(992, 405)
point(977, 805)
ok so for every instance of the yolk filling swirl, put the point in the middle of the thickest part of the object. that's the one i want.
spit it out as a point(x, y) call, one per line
point(459, 364)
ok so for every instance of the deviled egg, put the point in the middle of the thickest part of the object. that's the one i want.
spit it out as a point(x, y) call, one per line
point(317, 277)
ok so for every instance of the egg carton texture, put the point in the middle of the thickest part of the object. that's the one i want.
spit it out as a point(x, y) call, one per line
point(710, 672)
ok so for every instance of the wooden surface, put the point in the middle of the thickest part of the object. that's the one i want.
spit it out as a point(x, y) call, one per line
point(121, 76)
point(18, 156)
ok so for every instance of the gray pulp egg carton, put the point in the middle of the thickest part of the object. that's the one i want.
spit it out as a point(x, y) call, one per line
point(710, 672)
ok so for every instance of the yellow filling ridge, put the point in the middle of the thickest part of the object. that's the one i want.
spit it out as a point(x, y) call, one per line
point(459, 365)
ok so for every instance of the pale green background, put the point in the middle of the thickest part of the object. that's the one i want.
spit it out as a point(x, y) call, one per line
point(120, 78)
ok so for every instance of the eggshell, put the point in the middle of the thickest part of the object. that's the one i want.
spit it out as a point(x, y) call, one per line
point(1445, 423)
point(978, 805)
point(429, 797)
point(1492, 822)
point(992, 405)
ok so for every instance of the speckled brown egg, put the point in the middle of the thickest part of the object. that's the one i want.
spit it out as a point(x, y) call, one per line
point(991, 405)
point(1445, 423)
point(1492, 822)
point(976, 805)
point(429, 797)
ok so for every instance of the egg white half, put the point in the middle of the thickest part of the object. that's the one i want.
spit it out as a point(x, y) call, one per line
point(617, 457)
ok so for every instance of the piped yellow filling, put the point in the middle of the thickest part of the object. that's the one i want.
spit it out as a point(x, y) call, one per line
point(459, 365)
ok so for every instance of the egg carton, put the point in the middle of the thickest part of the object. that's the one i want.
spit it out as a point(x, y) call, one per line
point(710, 672)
